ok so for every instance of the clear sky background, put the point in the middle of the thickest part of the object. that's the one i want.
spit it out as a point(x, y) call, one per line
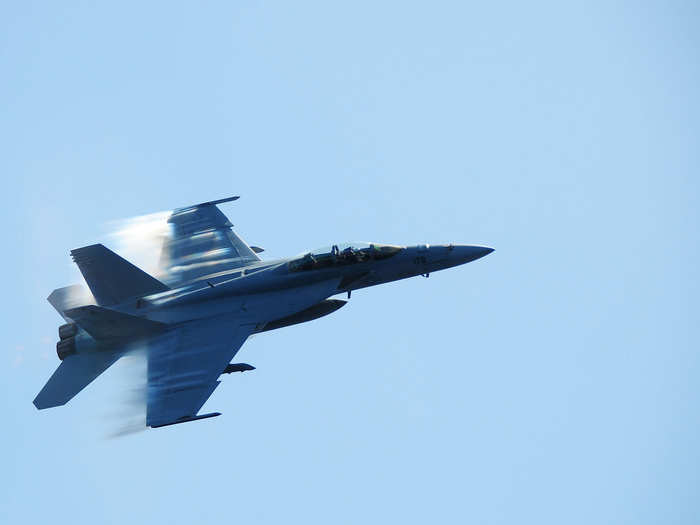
point(554, 381)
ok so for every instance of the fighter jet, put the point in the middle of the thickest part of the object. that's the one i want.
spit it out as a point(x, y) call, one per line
point(214, 293)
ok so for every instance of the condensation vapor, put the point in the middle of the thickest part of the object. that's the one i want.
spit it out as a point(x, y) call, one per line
point(137, 239)
point(140, 239)
point(127, 413)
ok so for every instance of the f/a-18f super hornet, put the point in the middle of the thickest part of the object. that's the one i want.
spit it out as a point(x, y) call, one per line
point(215, 292)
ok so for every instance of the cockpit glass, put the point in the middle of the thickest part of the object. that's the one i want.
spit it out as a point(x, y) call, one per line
point(355, 246)
point(343, 254)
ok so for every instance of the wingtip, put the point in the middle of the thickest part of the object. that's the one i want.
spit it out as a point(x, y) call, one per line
point(220, 201)
point(183, 420)
point(192, 207)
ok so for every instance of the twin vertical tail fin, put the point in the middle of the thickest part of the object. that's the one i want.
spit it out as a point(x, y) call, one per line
point(68, 297)
point(111, 278)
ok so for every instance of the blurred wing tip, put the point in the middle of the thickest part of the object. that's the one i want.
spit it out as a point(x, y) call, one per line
point(219, 201)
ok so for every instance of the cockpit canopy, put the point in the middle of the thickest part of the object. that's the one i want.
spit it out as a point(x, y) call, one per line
point(343, 254)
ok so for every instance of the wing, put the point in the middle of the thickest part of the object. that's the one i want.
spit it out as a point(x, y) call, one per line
point(202, 243)
point(184, 366)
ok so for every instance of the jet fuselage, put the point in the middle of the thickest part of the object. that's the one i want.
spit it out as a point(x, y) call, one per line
point(212, 293)
point(267, 291)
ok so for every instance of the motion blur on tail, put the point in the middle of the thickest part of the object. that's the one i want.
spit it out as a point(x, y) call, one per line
point(215, 291)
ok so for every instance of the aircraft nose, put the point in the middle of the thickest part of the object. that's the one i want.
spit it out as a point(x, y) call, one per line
point(465, 253)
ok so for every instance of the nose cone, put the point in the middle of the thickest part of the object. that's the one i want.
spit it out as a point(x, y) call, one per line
point(464, 253)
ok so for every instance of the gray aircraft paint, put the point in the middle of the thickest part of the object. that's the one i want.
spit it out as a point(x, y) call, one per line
point(215, 293)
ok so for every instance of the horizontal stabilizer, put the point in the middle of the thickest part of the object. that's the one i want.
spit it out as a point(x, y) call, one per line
point(111, 278)
point(74, 373)
point(103, 323)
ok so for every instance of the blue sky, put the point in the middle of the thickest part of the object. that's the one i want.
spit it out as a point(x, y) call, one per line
point(554, 381)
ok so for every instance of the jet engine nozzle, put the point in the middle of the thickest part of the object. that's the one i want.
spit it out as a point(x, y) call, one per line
point(66, 347)
point(74, 340)
point(66, 331)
